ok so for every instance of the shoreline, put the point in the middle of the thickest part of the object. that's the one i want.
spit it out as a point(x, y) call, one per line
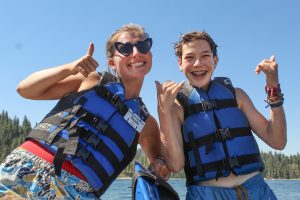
point(268, 179)
point(282, 179)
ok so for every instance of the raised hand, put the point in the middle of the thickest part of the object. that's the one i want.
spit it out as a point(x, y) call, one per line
point(166, 94)
point(86, 64)
point(270, 68)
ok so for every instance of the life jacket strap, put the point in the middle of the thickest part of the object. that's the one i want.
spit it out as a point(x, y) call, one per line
point(98, 145)
point(228, 164)
point(208, 105)
point(114, 99)
point(199, 168)
point(103, 127)
point(220, 135)
point(89, 159)
point(57, 118)
point(49, 137)
point(37, 149)
point(127, 113)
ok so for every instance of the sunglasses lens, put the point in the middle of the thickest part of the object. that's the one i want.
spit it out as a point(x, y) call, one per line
point(125, 49)
point(144, 46)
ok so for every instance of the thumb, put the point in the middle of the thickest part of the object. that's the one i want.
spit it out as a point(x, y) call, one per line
point(158, 87)
point(272, 58)
point(91, 49)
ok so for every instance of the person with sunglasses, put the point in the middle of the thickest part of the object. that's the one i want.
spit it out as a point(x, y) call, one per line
point(91, 135)
point(207, 125)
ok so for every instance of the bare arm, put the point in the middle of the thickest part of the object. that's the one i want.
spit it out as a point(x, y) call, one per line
point(171, 118)
point(149, 139)
point(56, 82)
point(272, 131)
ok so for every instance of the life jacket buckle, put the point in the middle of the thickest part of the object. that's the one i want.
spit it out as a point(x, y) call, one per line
point(90, 138)
point(101, 124)
point(223, 134)
point(209, 105)
point(231, 163)
point(82, 153)
point(115, 99)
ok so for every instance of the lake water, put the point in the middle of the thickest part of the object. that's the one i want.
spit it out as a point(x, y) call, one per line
point(283, 189)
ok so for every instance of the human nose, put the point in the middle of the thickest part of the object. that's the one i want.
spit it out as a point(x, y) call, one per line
point(135, 50)
point(197, 62)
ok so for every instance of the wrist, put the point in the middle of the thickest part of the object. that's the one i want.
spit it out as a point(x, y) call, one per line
point(274, 96)
point(164, 110)
point(161, 159)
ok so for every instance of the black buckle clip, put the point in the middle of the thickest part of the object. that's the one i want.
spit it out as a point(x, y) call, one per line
point(223, 134)
point(231, 163)
point(83, 153)
point(102, 125)
point(209, 105)
point(115, 99)
point(95, 120)
point(103, 92)
point(91, 138)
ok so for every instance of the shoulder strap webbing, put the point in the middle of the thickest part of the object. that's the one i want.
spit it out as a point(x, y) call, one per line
point(107, 77)
point(226, 82)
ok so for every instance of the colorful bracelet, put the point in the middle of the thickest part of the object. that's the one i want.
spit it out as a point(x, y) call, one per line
point(277, 104)
point(274, 96)
point(273, 91)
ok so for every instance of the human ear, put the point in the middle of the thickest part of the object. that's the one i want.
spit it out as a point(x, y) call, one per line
point(179, 64)
point(111, 63)
point(216, 60)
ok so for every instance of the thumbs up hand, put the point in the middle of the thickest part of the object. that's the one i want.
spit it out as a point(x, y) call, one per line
point(86, 64)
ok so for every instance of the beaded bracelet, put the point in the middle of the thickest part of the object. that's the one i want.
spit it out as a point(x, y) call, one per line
point(277, 104)
point(274, 96)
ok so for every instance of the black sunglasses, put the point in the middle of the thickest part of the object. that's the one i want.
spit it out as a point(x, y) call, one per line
point(127, 48)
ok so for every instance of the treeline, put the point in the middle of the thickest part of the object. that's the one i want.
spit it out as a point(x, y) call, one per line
point(13, 133)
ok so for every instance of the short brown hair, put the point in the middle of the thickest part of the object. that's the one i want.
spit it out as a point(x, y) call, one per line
point(192, 36)
point(128, 28)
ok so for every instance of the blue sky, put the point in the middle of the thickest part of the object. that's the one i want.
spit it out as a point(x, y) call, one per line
point(42, 34)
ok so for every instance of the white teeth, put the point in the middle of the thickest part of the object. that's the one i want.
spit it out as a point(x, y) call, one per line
point(199, 73)
point(137, 64)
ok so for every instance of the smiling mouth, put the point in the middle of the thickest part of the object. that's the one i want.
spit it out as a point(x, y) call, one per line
point(199, 73)
point(138, 64)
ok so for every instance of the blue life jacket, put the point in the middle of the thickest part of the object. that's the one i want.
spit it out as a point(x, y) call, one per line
point(147, 186)
point(96, 129)
point(216, 134)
